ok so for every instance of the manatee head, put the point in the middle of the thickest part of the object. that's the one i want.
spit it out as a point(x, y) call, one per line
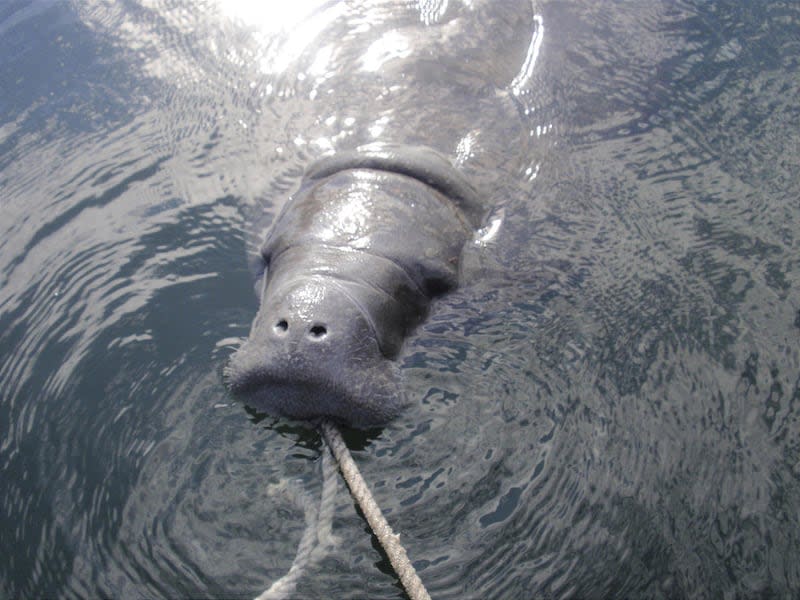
point(351, 265)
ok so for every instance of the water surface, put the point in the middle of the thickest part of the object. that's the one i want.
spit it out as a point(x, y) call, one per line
point(609, 406)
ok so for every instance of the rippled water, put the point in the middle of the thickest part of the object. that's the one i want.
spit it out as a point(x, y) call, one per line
point(608, 406)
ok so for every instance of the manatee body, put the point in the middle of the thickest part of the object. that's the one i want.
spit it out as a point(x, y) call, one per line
point(350, 267)
point(375, 231)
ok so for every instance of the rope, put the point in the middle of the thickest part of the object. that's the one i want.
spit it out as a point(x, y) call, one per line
point(317, 537)
point(388, 539)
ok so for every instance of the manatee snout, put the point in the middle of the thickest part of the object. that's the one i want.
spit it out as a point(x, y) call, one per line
point(311, 353)
point(351, 265)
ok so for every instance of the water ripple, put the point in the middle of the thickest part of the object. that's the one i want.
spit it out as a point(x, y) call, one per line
point(606, 408)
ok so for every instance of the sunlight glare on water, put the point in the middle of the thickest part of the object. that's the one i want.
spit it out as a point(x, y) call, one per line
point(607, 406)
point(299, 23)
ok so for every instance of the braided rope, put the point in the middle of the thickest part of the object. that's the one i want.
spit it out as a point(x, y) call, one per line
point(317, 537)
point(388, 539)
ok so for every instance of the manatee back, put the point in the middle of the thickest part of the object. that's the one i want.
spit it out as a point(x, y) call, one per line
point(382, 214)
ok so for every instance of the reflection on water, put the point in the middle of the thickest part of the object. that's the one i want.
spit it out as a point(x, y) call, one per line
point(608, 406)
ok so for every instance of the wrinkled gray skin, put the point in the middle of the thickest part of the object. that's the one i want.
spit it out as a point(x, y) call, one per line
point(375, 229)
point(350, 268)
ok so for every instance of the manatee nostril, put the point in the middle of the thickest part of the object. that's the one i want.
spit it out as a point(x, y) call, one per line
point(318, 331)
point(281, 326)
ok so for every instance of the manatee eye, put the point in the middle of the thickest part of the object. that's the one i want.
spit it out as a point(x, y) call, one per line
point(436, 286)
point(260, 266)
point(258, 283)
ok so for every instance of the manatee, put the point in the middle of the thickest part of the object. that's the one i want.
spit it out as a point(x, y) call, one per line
point(349, 269)
point(410, 131)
